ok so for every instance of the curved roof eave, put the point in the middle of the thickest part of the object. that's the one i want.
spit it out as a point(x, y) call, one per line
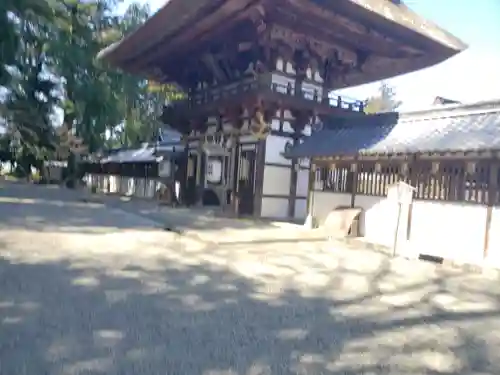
point(155, 29)
point(405, 17)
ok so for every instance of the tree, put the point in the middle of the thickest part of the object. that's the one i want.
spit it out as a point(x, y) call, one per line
point(47, 65)
point(13, 14)
point(384, 101)
point(31, 90)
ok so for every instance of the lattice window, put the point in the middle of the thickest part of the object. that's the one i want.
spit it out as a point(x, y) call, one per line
point(458, 181)
point(337, 179)
point(477, 183)
point(375, 179)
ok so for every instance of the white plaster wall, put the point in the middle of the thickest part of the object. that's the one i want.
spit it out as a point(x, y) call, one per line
point(275, 146)
point(248, 139)
point(323, 202)
point(287, 126)
point(113, 184)
point(274, 207)
point(138, 187)
point(378, 219)
point(302, 182)
point(494, 238)
point(282, 82)
point(450, 230)
point(275, 124)
point(309, 88)
point(276, 180)
point(300, 209)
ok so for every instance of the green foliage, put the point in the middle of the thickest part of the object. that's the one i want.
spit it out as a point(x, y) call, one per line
point(384, 101)
point(47, 64)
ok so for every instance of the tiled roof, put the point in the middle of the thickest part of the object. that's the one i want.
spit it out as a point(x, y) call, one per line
point(450, 128)
point(145, 154)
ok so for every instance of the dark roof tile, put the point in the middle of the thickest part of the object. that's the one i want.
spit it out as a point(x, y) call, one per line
point(436, 131)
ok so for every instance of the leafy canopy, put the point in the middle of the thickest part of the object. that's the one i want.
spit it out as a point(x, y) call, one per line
point(59, 101)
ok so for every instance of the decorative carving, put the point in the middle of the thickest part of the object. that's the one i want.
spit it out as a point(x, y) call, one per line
point(199, 124)
point(299, 41)
point(235, 115)
point(175, 118)
point(301, 119)
point(261, 117)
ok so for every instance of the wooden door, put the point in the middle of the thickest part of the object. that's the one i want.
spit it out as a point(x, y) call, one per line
point(190, 188)
point(246, 178)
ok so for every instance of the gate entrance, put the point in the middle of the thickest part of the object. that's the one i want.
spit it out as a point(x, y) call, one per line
point(246, 178)
point(190, 189)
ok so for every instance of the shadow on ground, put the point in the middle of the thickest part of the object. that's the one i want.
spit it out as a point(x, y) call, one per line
point(166, 317)
point(23, 201)
point(56, 209)
point(212, 227)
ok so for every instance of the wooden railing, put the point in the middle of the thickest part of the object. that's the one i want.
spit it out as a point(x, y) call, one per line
point(264, 83)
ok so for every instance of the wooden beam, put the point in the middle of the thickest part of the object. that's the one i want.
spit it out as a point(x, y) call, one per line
point(225, 16)
point(319, 26)
point(354, 171)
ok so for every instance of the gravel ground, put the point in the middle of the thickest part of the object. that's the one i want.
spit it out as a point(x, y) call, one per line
point(90, 290)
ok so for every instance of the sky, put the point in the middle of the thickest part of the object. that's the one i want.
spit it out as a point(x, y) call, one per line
point(473, 75)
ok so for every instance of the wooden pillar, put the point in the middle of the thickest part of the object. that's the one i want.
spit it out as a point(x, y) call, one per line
point(236, 171)
point(300, 64)
point(492, 197)
point(293, 188)
point(310, 187)
point(354, 182)
point(408, 177)
point(259, 177)
point(200, 176)
point(292, 198)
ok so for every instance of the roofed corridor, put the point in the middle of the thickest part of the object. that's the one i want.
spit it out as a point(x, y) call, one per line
point(90, 289)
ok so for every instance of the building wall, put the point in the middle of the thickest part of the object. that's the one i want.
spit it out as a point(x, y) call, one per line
point(128, 186)
point(278, 172)
point(448, 230)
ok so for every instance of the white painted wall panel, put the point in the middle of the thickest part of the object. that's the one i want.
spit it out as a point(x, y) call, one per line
point(274, 207)
point(275, 146)
point(276, 180)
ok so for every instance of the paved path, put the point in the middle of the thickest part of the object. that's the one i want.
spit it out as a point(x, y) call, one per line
point(209, 227)
point(89, 290)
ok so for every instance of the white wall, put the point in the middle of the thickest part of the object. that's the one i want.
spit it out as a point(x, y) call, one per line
point(300, 209)
point(322, 203)
point(277, 176)
point(276, 180)
point(494, 238)
point(130, 186)
point(274, 207)
point(275, 146)
point(449, 230)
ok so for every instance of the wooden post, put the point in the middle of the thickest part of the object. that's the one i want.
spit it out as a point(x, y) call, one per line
point(236, 173)
point(396, 233)
point(310, 187)
point(293, 187)
point(412, 180)
point(354, 181)
point(259, 177)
